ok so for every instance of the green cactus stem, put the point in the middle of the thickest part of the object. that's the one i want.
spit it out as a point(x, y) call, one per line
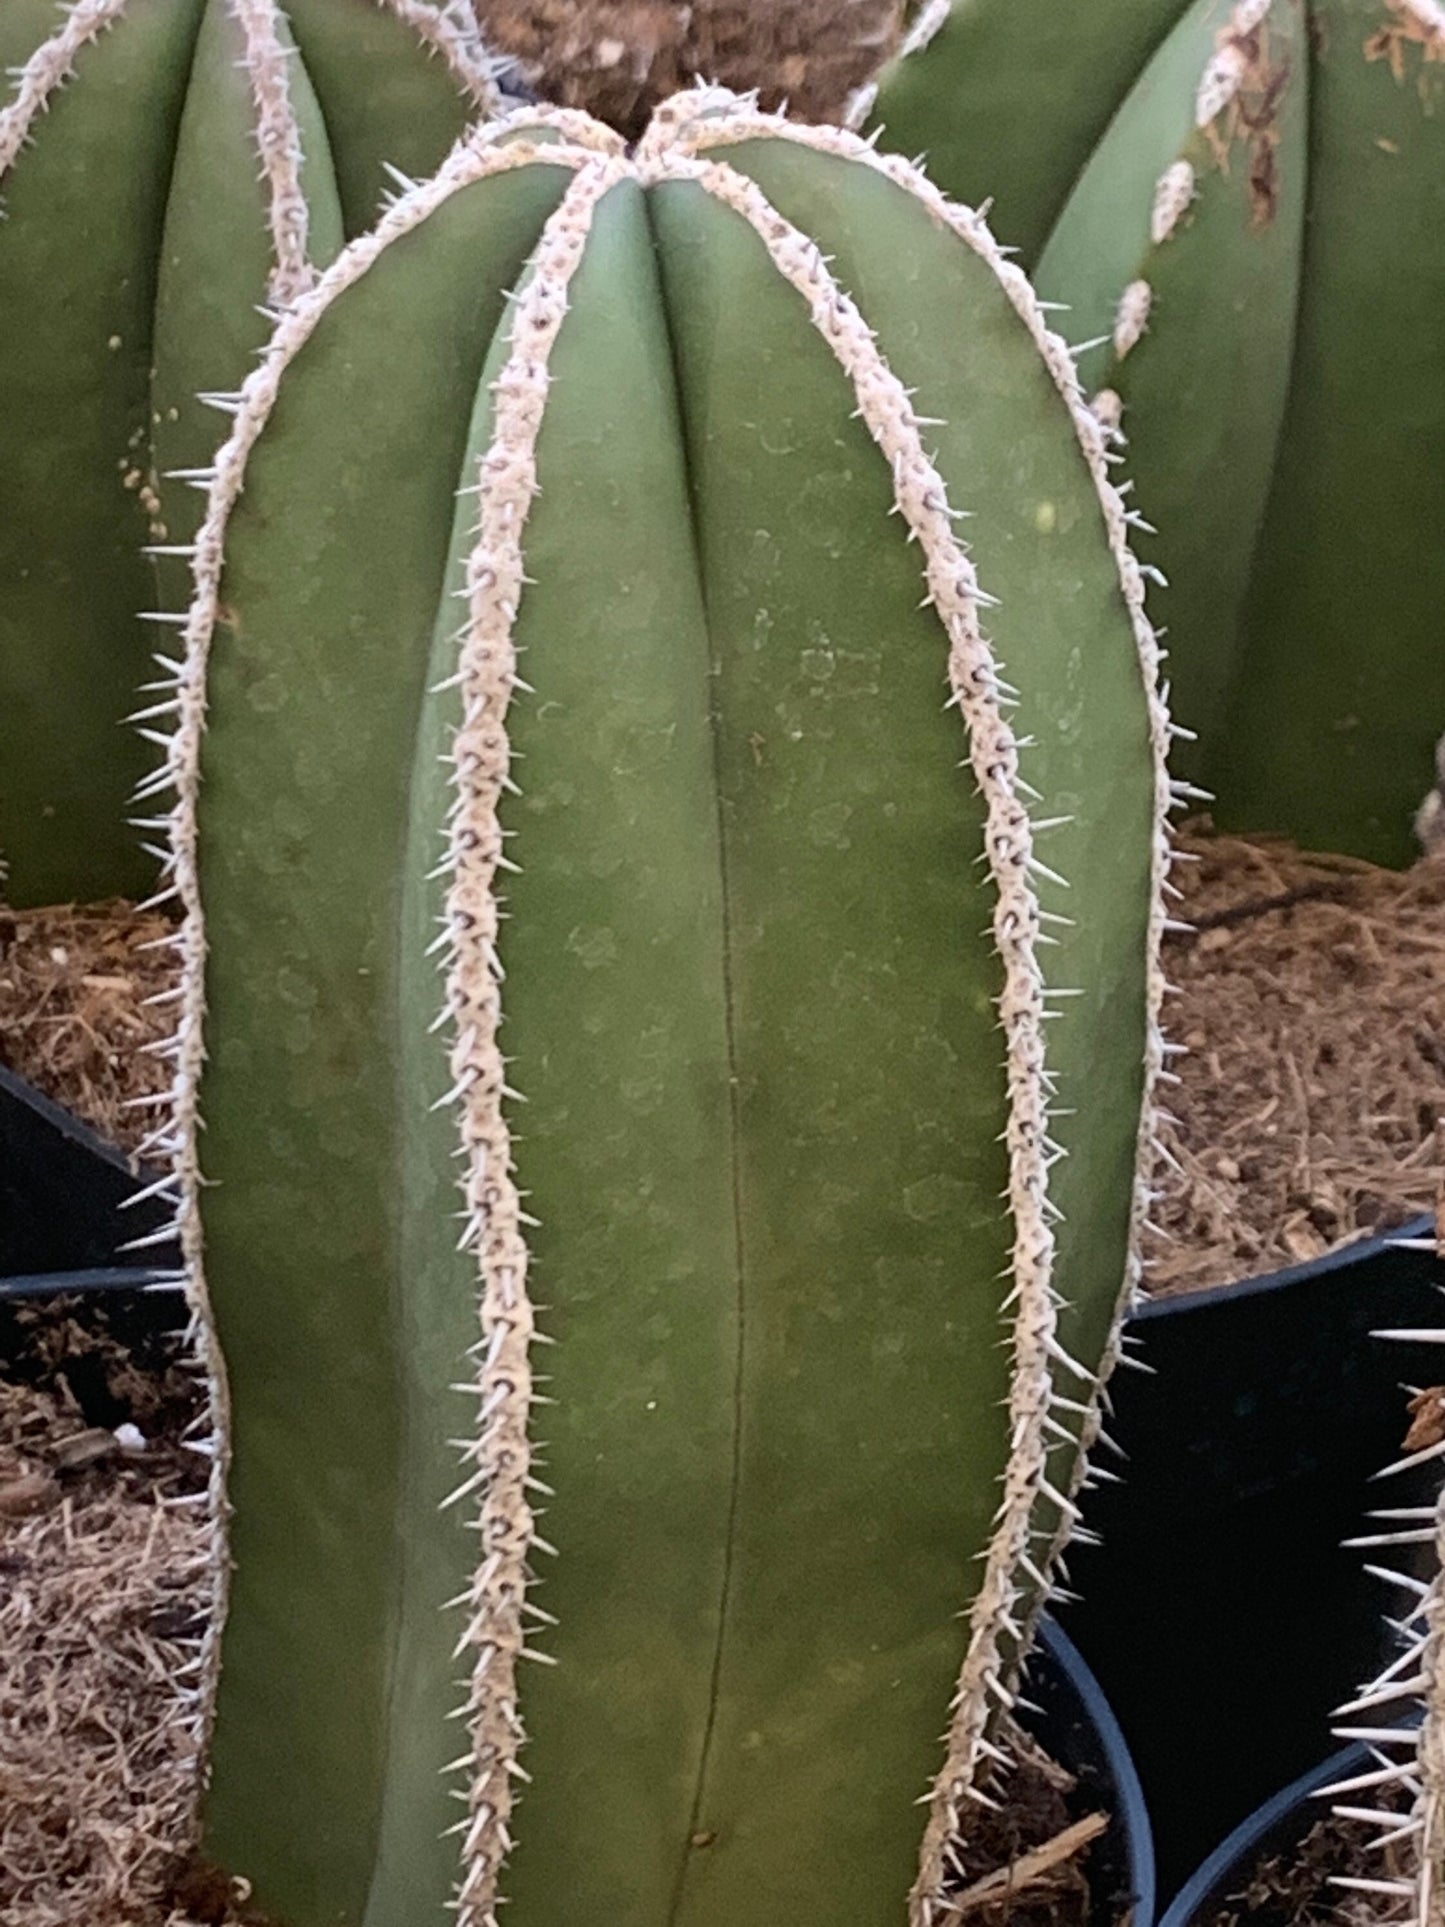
point(139, 245)
point(1251, 250)
point(629, 646)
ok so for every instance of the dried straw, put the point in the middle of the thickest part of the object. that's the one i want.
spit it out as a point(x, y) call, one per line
point(95, 1607)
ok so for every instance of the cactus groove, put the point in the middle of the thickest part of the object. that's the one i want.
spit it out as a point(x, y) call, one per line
point(1243, 207)
point(139, 242)
point(616, 660)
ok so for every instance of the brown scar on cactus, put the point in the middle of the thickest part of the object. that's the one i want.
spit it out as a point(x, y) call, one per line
point(1238, 104)
point(1414, 23)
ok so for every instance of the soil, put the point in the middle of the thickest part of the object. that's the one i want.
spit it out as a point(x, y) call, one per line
point(101, 1596)
point(1038, 1814)
point(619, 58)
point(1311, 1008)
point(1293, 1889)
point(75, 1019)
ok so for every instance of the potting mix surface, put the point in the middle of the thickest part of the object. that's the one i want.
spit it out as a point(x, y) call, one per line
point(1311, 1007)
point(1311, 997)
point(618, 58)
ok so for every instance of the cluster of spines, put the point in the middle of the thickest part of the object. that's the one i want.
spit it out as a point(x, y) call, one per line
point(499, 1460)
point(1408, 1770)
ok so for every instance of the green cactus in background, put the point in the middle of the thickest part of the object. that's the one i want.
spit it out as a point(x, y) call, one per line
point(832, 1079)
point(1244, 209)
point(167, 169)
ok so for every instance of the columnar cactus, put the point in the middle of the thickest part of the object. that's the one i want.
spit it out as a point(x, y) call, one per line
point(604, 595)
point(1243, 207)
point(140, 243)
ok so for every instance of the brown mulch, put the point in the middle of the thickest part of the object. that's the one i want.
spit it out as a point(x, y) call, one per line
point(1312, 1010)
point(1023, 1862)
point(102, 1595)
point(74, 1019)
point(619, 58)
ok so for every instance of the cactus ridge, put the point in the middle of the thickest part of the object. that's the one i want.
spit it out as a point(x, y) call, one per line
point(1039, 1357)
point(1054, 1398)
point(176, 1137)
point(278, 139)
point(449, 29)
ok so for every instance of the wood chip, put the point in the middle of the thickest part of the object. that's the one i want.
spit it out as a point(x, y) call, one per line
point(28, 1493)
point(997, 1888)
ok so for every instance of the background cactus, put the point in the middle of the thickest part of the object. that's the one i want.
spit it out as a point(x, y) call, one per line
point(139, 243)
point(1243, 207)
point(782, 1170)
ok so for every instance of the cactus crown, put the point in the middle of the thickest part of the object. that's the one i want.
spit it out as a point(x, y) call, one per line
point(699, 143)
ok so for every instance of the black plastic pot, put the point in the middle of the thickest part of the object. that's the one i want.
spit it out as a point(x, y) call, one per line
point(65, 1215)
point(1076, 1726)
point(1272, 1831)
point(1221, 1612)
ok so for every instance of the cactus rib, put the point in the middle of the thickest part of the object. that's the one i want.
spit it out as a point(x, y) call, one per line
point(683, 148)
point(279, 142)
point(48, 69)
point(450, 30)
point(1017, 1527)
point(180, 772)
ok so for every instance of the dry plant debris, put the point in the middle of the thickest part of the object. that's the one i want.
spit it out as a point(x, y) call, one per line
point(101, 1588)
point(74, 1020)
point(1294, 1889)
point(619, 58)
point(1311, 1004)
